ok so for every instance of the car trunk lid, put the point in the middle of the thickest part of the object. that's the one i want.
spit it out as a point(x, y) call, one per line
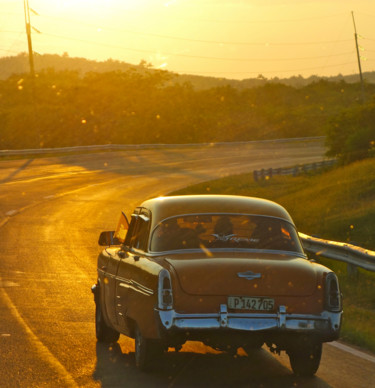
point(245, 274)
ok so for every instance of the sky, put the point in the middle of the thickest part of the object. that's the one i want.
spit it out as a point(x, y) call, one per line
point(233, 39)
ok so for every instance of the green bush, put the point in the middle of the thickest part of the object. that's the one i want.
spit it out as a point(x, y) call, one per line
point(351, 135)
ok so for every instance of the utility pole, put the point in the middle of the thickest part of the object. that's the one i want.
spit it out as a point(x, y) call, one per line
point(28, 33)
point(359, 59)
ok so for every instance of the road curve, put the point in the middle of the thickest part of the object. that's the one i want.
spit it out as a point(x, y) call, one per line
point(51, 212)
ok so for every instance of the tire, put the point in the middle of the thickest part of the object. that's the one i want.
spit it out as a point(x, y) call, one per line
point(103, 332)
point(147, 352)
point(177, 348)
point(249, 348)
point(305, 360)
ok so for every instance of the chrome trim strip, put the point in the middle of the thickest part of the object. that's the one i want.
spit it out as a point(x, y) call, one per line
point(194, 250)
point(131, 284)
point(106, 274)
point(229, 214)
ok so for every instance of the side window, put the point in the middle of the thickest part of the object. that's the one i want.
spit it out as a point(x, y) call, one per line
point(132, 226)
point(140, 237)
point(137, 236)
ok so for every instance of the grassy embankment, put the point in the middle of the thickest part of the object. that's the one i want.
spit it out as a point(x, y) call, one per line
point(339, 205)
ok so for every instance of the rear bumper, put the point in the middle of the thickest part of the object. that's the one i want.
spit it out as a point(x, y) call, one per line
point(325, 326)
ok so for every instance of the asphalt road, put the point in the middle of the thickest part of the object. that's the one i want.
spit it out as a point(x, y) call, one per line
point(51, 213)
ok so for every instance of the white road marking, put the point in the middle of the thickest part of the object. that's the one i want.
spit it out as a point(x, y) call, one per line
point(8, 283)
point(4, 221)
point(42, 350)
point(57, 175)
point(11, 213)
point(352, 351)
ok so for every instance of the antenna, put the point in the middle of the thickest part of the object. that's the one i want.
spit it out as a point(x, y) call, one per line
point(359, 59)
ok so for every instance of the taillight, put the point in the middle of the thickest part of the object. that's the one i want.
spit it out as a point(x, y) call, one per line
point(165, 294)
point(333, 300)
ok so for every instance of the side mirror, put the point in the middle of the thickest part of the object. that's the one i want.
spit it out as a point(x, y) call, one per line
point(108, 238)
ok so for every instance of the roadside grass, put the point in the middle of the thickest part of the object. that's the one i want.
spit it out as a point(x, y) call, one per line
point(338, 204)
point(358, 326)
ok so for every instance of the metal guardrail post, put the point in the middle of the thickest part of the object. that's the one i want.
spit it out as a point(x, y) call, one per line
point(295, 171)
point(352, 270)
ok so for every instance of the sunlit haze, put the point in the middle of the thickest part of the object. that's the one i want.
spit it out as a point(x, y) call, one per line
point(220, 38)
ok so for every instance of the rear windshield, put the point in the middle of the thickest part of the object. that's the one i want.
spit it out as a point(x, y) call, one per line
point(209, 231)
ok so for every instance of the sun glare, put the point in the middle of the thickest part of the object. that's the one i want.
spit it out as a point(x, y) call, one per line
point(82, 6)
point(234, 39)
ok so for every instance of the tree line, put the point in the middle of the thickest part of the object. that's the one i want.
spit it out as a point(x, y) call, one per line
point(66, 108)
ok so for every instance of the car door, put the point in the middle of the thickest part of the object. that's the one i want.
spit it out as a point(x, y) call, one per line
point(128, 285)
point(110, 269)
point(109, 283)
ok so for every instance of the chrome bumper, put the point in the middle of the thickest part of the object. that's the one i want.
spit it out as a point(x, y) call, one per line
point(326, 324)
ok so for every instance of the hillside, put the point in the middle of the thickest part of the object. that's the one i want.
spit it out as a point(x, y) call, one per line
point(20, 65)
point(140, 105)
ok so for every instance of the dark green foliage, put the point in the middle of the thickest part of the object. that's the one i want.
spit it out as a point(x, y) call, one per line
point(142, 105)
point(352, 134)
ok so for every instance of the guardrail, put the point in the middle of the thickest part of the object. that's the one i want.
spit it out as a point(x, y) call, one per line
point(117, 147)
point(296, 170)
point(352, 255)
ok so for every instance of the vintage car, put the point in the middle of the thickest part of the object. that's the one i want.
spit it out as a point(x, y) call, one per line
point(229, 271)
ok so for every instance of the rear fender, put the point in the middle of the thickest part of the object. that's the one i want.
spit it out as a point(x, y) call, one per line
point(138, 291)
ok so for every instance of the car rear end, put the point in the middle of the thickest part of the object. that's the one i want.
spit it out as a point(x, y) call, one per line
point(248, 299)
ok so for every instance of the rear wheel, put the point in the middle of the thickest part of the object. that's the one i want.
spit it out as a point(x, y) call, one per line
point(103, 332)
point(305, 360)
point(147, 351)
point(255, 345)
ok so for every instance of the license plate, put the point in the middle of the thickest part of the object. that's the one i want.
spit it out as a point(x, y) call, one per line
point(249, 303)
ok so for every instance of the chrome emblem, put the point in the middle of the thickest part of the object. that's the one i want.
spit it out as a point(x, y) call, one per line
point(249, 275)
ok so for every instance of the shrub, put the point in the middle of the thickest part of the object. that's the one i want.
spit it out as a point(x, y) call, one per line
point(351, 136)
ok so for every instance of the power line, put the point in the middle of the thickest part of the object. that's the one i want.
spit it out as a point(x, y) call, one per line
point(340, 33)
point(262, 71)
point(257, 21)
point(215, 42)
point(180, 38)
point(228, 21)
point(236, 43)
point(365, 14)
point(192, 56)
point(9, 51)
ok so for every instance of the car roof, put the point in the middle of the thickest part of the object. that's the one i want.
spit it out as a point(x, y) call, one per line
point(165, 207)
